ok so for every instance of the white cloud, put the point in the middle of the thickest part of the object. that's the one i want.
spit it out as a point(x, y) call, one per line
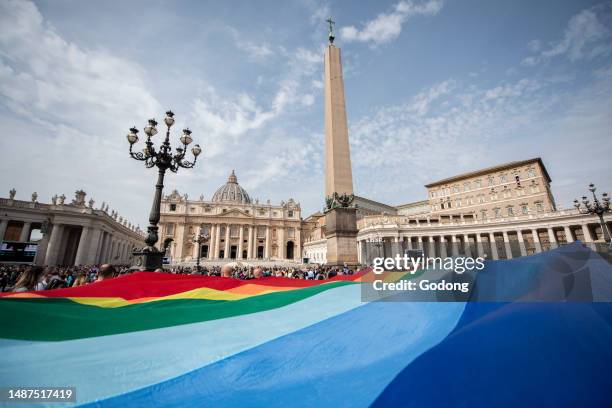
point(388, 26)
point(587, 35)
point(258, 51)
point(68, 109)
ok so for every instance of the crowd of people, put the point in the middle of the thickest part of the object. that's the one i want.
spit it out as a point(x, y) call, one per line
point(23, 278)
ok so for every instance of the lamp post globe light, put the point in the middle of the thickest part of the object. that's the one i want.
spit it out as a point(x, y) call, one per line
point(596, 208)
point(150, 257)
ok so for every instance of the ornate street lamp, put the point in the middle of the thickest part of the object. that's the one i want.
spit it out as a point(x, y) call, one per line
point(597, 208)
point(150, 258)
point(200, 239)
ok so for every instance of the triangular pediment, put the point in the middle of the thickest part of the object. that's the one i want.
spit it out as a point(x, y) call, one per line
point(236, 213)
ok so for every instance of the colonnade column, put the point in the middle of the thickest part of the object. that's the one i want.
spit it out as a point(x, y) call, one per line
point(479, 249)
point(466, 245)
point(521, 242)
point(442, 246)
point(54, 244)
point(507, 245)
point(454, 245)
point(493, 245)
point(94, 243)
point(587, 233)
point(81, 254)
point(536, 241)
point(568, 234)
point(25, 232)
point(241, 238)
point(3, 225)
point(552, 238)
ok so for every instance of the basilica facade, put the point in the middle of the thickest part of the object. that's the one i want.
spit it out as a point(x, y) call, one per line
point(232, 227)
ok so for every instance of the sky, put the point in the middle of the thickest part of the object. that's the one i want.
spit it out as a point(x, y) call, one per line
point(433, 88)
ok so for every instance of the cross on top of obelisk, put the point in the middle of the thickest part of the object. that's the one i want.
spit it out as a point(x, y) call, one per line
point(331, 30)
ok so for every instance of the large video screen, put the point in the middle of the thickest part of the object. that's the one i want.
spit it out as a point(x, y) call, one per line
point(18, 252)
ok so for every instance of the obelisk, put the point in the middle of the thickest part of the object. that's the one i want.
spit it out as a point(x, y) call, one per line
point(340, 220)
point(338, 173)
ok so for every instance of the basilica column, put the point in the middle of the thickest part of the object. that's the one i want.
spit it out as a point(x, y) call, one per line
point(536, 241)
point(493, 245)
point(568, 234)
point(250, 243)
point(281, 243)
point(54, 244)
point(241, 237)
point(211, 241)
point(507, 245)
point(82, 253)
point(226, 248)
point(25, 232)
point(267, 244)
point(217, 241)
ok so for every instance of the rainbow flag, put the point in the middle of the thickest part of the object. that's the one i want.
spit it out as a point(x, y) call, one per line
point(155, 339)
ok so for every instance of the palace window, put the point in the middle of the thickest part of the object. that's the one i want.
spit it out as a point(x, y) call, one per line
point(172, 207)
point(503, 178)
point(483, 214)
point(466, 186)
point(525, 209)
point(478, 183)
point(497, 212)
point(491, 181)
point(531, 172)
point(290, 213)
point(481, 198)
point(234, 231)
point(170, 229)
point(455, 189)
point(539, 206)
point(458, 203)
point(510, 211)
point(290, 232)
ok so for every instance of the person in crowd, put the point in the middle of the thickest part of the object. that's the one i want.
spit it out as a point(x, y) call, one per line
point(227, 271)
point(80, 280)
point(107, 271)
point(257, 273)
point(30, 280)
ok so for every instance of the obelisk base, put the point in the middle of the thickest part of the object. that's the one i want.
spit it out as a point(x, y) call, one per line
point(341, 234)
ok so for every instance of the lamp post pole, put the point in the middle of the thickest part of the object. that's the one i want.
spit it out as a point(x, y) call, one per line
point(200, 239)
point(596, 208)
point(149, 258)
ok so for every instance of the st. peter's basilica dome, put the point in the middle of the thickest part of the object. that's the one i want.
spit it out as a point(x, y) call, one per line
point(231, 192)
